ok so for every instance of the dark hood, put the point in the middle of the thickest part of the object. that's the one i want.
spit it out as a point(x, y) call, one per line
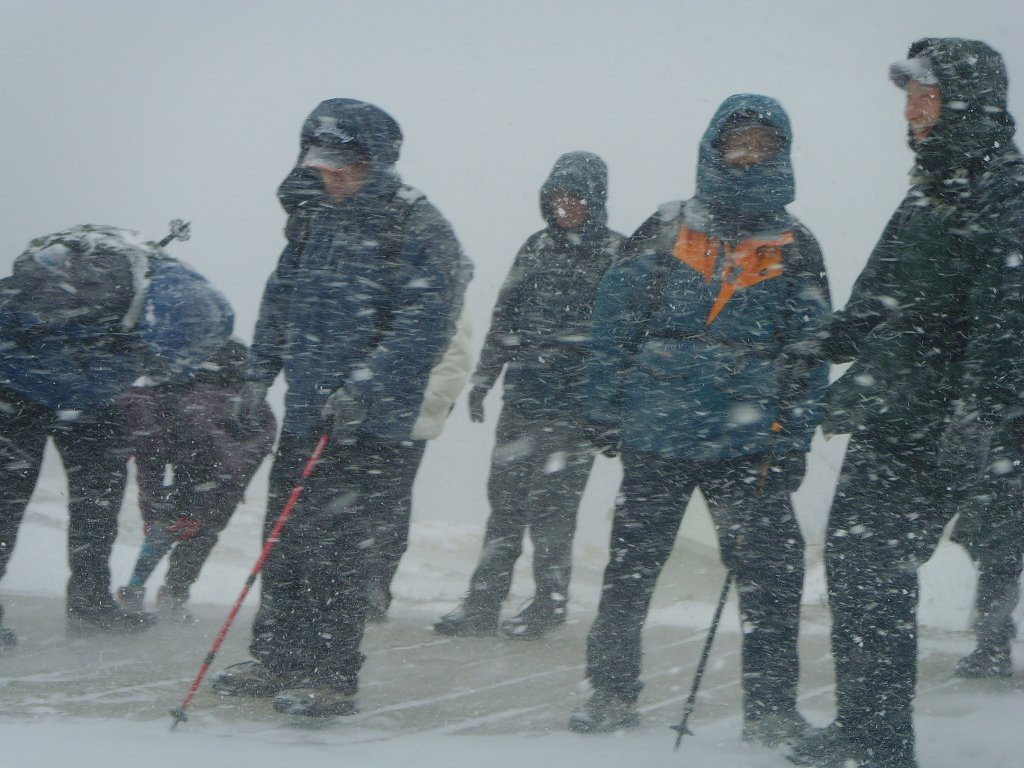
point(745, 192)
point(973, 122)
point(370, 127)
point(584, 175)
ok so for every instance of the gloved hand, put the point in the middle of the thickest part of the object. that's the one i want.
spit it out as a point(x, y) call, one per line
point(184, 528)
point(242, 416)
point(476, 404)
point(346, 415)
point(603, 437)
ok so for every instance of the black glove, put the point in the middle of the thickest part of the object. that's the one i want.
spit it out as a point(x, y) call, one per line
point(603, 437)
point(476, 404)
point(346, 415)
point(243, 412)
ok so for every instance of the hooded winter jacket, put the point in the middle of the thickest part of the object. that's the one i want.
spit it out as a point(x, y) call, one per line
point(689, 326)
point(90, 309)
point(339, 310)
point(937, 313)
point(540, 326)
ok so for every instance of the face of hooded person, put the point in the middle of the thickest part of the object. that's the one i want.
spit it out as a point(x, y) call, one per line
point(568, 210)
point(750, 144)
point(343, 169)
point(924, 103)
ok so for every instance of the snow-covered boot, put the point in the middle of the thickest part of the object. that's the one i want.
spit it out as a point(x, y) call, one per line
point(249, 678)
point(542, 615)
point(468, 621)
point(775, 728)
point(315, 702)
point(7, 638)
point(106, 618)
point(826, 747)
point(170, 604)
point(131, 598)
point(986, 662)
point(603, 713)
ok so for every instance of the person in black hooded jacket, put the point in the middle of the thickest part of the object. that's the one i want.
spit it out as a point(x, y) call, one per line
point(541, 461)
point(934, 329)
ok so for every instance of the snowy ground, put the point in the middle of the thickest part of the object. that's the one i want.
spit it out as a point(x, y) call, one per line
point(428, 700)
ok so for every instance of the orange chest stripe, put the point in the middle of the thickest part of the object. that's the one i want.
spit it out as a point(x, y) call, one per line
point(751, 262)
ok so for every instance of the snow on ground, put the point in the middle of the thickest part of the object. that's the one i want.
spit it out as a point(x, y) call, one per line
point(433, 701)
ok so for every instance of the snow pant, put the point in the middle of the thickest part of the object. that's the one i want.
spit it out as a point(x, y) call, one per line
point(760, 542)
point(995, 597)
point(539, 470)
point(390, 509)
point(92, 448)
point(313, 602)
point(886, 519)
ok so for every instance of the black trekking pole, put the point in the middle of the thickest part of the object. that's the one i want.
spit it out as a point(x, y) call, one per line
point(179, 231)
point(681, 728)
point(180, 714)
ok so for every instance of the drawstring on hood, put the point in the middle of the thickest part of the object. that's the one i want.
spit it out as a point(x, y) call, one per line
point(730, 192)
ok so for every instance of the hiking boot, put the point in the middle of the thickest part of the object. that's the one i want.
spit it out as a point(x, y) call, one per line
point(538, 618)
point(827, 747)
point(130, 598)
point(467, 622)
point(775, 728)
point(7, 638)
point(170, 604)
point(315, 702)
point(249, 678)
point(378, 600)
point(984, 663)
point(107, 618)
point(603, 713)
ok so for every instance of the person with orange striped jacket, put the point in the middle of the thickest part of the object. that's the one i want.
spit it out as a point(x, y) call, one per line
point(688, 383)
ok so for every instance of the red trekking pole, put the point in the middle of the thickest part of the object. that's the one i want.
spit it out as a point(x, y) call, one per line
point(180, 714)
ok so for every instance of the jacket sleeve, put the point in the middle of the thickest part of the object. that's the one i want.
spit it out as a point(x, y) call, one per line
point(808, 306)
point(266, 355)
point(502, 340)
point(431, 274)
point(877, 293)
point(617, 326)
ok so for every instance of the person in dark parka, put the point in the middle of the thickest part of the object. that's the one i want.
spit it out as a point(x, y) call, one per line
point(540, 330)
point(687, 376)
point(361, 307)
point(86, 312)
point(934, 329)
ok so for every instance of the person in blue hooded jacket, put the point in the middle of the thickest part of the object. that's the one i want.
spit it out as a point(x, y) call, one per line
point(361, 307)
point(687, 381)
point(540, 330)
point(87, 312)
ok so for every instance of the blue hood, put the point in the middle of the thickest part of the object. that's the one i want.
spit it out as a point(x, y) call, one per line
point(745, 192)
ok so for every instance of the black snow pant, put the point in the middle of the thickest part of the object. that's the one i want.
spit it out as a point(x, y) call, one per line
point(390, 509)
point(92, 446)
point(886, 519)
point(539, 469)
point(760, 541)
point(313, 602)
